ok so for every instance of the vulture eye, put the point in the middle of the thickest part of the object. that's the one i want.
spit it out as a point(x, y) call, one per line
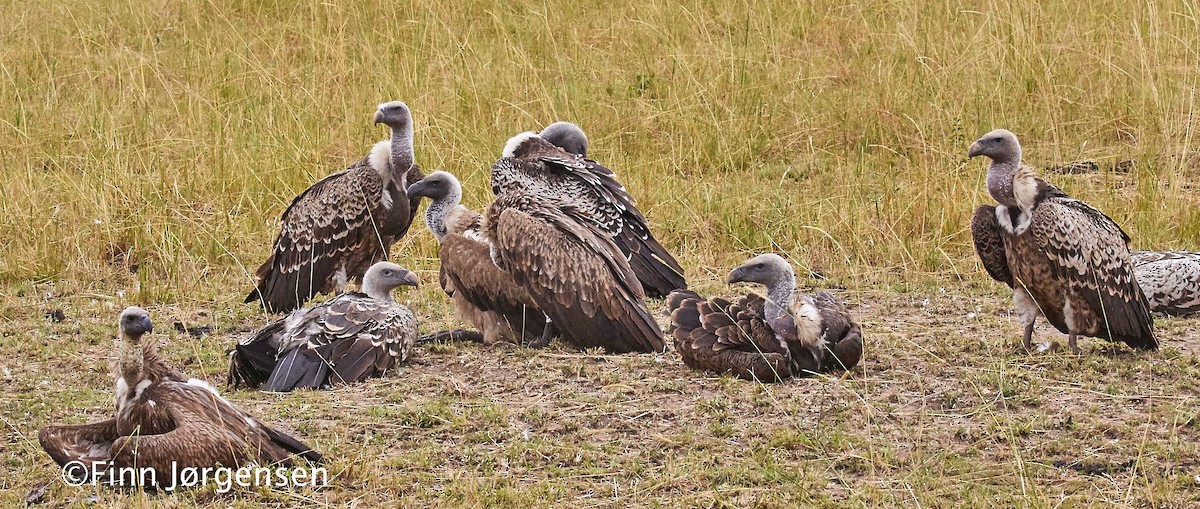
point(758, 265)
point(997, 140)
point(387, 272)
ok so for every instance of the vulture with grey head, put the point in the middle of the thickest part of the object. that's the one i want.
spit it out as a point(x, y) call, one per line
point(612, 209)
point(347, 339)
point(1170, 280)
point(165, 422)
point(337, 228)
point(551, 228)
point(1064, 259)
point(483, 295)
point(766, 338)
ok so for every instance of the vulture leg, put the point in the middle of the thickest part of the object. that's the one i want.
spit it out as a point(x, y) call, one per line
point(1027, 340)
point(547, 334)
point(1071, 343)
point(1028, 310)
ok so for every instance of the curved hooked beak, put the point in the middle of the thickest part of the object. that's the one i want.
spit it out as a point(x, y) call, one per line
point(378, 118)
point(735, 276)
point(411, 279)
point(975, 149)
point(142, 326)
point(416, 190)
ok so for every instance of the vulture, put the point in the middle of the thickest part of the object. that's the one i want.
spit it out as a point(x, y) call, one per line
point(1064, 259)
point(766, 338)
point(612, 209)
point(551, 227)
point(346, 339)
point(164, 419)
point(336, 229)
point(1170, 280)
point(483, 295)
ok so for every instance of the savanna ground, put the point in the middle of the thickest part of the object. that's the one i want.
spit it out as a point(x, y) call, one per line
point(148, 147)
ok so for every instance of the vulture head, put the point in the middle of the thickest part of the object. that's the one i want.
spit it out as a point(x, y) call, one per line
point(566, 136)
point(999, 145)
point(393, 114)
point(383, 277)
point(435, 186)
point(135, 322)
point(767, 269)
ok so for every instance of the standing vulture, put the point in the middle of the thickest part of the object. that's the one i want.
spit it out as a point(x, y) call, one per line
point(164, 418)
point(767, 339)
point(344, 223)
point(614, 212)
point(483, 295)
point(347, 339)
point(1064, 259)
point(1170, 280)
point(551, 229)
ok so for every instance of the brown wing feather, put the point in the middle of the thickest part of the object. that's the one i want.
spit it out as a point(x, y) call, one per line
point(328, 223)
point(1090, 254)
point(1170, 280)
point(211, 432)
point(843, 336)
point(723, 337)
point(658, 271)
point(86, 443)
point(468, 273)
point(989, 244)
point(579, 279)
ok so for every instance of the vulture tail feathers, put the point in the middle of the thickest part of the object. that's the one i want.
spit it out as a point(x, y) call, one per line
point(251, 364)
point(656, 269)
point(290, 444)
point(299, 369)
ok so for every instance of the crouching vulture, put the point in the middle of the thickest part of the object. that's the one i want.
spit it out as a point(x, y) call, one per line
point(1064, 259)
point(765, 338)
point(549, 228)
point(1170, 280)
point(483, 295)
point(337, 228)
point(614, 212)
point(347, 339)
point(165, 422)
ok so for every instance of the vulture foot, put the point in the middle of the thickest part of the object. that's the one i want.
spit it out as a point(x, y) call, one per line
point(547, 334)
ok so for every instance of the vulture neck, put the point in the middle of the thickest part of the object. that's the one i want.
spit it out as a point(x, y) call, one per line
point(435, 214)
point(402, 156)
point(779, 297)
point(1000, 176)
point(376, 291)
point(131, 358)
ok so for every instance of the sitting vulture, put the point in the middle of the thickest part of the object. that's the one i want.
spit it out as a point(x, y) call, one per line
point(612, 210)
point(767, 339)
point(162, 419)
point(347, 339)
point(344, 223)
point(482, 294)
point(1064, 259)
point(551, 229)
point(1170, 280)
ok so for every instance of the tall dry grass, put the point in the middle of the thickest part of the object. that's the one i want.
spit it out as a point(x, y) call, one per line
point(170, 135)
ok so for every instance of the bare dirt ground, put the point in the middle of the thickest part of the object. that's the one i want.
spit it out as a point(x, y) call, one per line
point(945, 410)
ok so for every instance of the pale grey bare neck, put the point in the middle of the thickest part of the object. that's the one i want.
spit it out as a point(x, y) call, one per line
point(1000, 180)
point(779, 296)
point(435, 214)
